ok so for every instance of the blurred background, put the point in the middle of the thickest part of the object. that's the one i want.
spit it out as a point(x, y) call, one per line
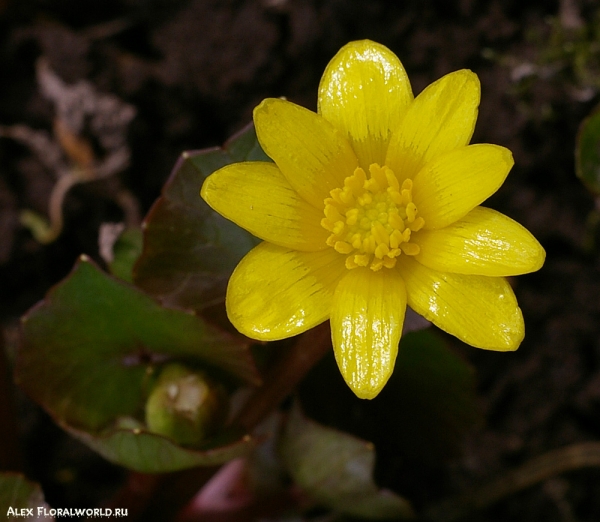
point(147, 79)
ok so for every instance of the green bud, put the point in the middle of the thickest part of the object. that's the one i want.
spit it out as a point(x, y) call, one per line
point(185, 405)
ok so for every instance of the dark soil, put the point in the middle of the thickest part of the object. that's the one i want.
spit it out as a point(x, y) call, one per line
point(194, 69)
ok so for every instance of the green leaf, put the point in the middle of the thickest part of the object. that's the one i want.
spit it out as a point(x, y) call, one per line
point(190, 250)
point(146, 452)
point(91, 348)
point(336, 470)
point(126, 251)
point(18, 493)
point(587, 152)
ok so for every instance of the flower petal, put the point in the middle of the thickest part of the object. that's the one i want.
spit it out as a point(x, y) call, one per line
point(313, 156)
point(364, 91)
point(452, 185)
point(366, 324)
point(481, 311)
point(276, 292)
point(258, 197)
point(484, 242)
point(440, 119)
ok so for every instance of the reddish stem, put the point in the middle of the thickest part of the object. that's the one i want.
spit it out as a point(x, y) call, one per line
point(285, 374)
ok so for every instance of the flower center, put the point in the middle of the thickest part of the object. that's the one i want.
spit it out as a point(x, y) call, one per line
point(371, 219)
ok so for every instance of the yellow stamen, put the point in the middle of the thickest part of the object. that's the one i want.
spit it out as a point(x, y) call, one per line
point(389, 262)
point(352, 216)
point(356, 241)
point(392, 180)
point(327, 224)
point(377, 264)
point(372, 186)
point(417, 224)
point(410, 249)
point(338, 228)
point(395, 220)
point(411, 212)
point(369, 244)
point(361, 259)
point(396, 238)
point(342, 247)
point(350, 263)
point(381, 250)
point(346, 196)
point(332, 213)
point(379, 233)
point(335, 197)
point(371, 218)
point(365, 200)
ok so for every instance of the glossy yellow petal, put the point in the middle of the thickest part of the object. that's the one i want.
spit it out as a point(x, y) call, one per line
point(484, 242)
point(276, 292)
point(481, 311)
point(313, 156)
point(366, 323)
point(452, 185)
point(439, 120)
point(364, 91)
point(257, 197)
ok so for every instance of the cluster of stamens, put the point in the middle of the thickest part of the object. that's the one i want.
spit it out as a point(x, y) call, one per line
point(371, 219)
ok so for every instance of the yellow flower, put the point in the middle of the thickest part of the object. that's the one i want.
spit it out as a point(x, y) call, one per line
point(372, 204)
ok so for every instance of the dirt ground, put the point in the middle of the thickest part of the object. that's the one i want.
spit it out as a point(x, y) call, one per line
point(192, 70)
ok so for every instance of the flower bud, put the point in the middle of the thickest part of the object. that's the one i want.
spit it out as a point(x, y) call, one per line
point(185, 405)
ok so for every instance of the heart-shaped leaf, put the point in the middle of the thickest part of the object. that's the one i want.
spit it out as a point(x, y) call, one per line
point(336, 470)
point(89, 354)
point(190, 250)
